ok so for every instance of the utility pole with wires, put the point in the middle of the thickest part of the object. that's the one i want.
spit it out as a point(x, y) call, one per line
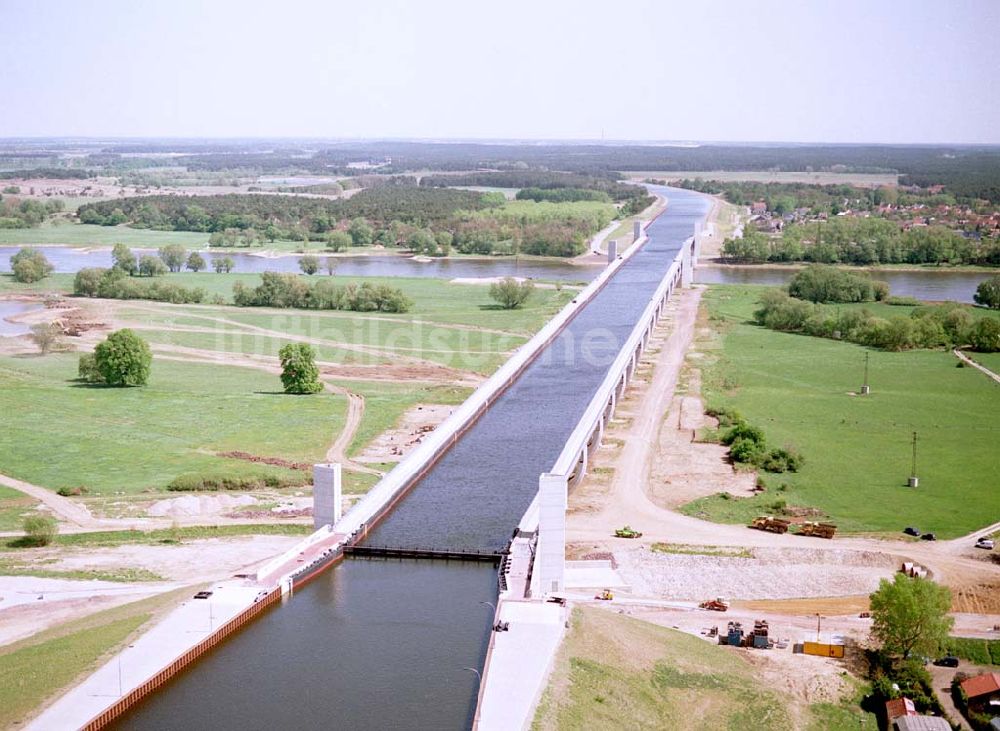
point(914, 481)
point(865, 388)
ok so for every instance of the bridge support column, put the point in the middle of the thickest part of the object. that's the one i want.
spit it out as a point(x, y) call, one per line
point(327, 494)
point(686, 268)
point(612, 250)
point(636, 230)
point(697, 242)
point(551, 553)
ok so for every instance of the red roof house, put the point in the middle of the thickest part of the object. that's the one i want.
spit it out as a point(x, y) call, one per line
point(899, 707)
point(982, 690)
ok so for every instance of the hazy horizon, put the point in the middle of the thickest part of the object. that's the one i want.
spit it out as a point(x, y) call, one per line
point(647, 72)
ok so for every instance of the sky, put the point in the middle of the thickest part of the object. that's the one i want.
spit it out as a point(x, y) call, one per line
point(892, 71)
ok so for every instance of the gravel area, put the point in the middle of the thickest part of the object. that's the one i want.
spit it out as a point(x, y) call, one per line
point(770, 574)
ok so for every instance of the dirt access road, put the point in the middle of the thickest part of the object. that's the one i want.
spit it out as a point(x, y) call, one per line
point(627, 500)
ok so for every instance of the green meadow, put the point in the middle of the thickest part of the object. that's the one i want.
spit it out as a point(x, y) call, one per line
point(857, 450)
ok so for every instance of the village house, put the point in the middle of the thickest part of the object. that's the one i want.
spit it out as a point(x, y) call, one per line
point(983, 692)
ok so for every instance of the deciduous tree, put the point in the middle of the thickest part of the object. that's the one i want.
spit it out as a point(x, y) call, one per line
point(30, 265)
point(123, 359)
point(910, 615)
point(299, 373)
point(195, 262)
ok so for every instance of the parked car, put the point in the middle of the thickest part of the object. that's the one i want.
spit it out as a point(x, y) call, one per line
point(986, 543)
point(203, 595)
point(911, 531)
point(928, 537)
point(948, 661)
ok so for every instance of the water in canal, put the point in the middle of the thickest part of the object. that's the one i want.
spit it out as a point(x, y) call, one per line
point(383, 644)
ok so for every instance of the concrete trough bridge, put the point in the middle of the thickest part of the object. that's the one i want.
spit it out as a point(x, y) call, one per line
point(380, 643)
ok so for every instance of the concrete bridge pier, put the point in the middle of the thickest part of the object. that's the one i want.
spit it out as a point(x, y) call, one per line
point(687, 269)
point(697, 242)
point(636, 230)
point(327, 494)
point(550, 557)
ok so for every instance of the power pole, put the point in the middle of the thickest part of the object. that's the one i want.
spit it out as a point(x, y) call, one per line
point(914, 481)
point(865, 388)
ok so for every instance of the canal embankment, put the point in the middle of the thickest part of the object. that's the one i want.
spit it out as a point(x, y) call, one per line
point(183, 636)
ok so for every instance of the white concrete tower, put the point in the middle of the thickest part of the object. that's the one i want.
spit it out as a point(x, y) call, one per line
point(551, 557)
point(327, 494)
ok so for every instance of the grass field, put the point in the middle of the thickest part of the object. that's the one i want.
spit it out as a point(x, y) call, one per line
point(613, 671)
point(58, 433)
point(857, 450)
point(766, 176)
point(437, 300)
point(165, 536)
point(83, 234)
point(14, 506)
point(130, 441)
point(989, 360)
point(37, 668)
point(86, 235)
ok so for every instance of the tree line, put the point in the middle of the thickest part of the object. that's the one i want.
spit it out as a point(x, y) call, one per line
point(274, 216)
point(938, 326)
point(27, 212)
point(288, 290)
point(862, 241)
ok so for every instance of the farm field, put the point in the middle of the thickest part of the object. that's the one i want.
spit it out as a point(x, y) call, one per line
point(613, 671)
point(857, 450)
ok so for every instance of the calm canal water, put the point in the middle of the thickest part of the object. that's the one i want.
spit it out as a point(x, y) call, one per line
point(381, 645)
point(67, 259)
point(924, 285)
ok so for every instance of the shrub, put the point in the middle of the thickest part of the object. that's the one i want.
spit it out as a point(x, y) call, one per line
point(195, 262)
point(151, 266)
point(87, 370)
point(173, 256)
point(725, 415)
point(309, 264)
point(782, 460)
point(510, 293)
point(984, 336)
point(29, 265)
point(988, 293)
point(72, 491)
point(747, 451)
point(87, 281)
point(123, 359)
point(123, 258)
point(39, 530)
point(288, 290)
point(829, 284)
point(744, 431)
point(196, 482)
point(47, 336)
